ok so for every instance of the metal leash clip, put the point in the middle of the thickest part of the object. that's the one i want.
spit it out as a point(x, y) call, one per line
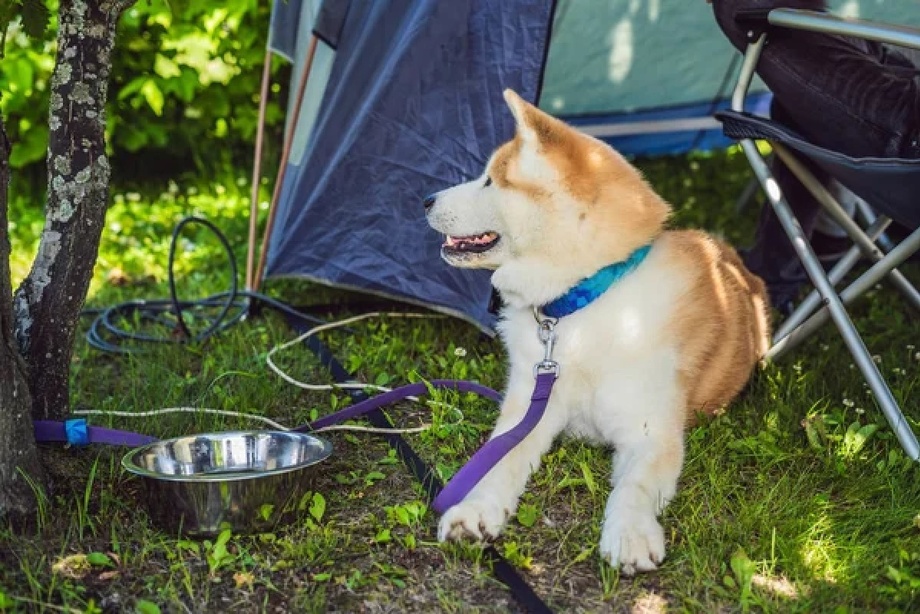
point(547, 332)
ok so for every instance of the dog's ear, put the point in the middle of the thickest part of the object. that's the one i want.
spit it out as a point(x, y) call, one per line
point(533, 125)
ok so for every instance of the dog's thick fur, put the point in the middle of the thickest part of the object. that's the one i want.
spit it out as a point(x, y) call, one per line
point(680, 334)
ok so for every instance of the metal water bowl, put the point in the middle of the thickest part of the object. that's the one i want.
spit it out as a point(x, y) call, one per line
point(248, 481)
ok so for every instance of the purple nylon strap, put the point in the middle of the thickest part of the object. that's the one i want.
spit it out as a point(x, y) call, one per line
point(397, 394)
point(51, 430)
point(459, 486)
point(495, 449)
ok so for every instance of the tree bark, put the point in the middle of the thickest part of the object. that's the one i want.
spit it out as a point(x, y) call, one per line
point(18, 455)
point(48, 303)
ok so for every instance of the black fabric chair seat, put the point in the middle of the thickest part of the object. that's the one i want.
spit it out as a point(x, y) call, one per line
point(891, 185)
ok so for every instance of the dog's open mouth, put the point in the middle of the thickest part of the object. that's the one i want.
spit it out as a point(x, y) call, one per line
point(475, 243)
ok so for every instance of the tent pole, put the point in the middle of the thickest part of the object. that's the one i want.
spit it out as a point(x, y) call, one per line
point(257, 171)
point(282, 168)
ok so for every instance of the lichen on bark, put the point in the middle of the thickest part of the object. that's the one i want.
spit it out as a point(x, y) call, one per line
point(48, 303)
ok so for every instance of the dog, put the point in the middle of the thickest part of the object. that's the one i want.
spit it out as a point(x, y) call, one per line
point(679, 333)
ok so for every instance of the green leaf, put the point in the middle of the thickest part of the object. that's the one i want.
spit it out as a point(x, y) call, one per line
point(98, 559)
point(146, 607)
point(132, 87)
point(811, 433)
point(19, 74)
point(893, 574)
point(186, 84)
point(265, 511)
point(165, 68)
point(383, 536)
point(5, 601)
point(373, 476)
point(187, 544)
point(35, 18)
point(31, 148)
point(743, 568)
point(527, 514)
point(223, 539)
point(318, 506)
point(589, 478)
point(154, 96)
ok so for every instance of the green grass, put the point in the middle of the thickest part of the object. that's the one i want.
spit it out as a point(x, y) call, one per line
point(797, 499)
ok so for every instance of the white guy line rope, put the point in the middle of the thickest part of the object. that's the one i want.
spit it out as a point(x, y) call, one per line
point(299, 384)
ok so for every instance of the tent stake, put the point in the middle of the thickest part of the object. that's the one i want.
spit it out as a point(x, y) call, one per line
point(257, 170)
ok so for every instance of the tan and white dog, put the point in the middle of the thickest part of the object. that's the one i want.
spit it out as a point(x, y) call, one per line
point(680, 334)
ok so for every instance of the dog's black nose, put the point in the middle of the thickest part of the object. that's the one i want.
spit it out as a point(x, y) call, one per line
point(429, 202)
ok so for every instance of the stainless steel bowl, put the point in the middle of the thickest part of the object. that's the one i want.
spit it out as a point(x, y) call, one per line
point(248, 481)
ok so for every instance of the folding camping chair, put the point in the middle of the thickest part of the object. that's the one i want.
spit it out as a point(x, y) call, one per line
point(891, 186)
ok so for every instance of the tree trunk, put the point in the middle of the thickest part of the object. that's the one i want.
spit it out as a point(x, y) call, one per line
point(48, 303)
point(18, 455)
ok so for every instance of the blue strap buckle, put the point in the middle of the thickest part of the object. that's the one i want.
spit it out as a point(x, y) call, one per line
point(76, 431)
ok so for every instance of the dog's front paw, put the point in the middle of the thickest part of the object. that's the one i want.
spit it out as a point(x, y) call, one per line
point(480, 518)
point(632, 541)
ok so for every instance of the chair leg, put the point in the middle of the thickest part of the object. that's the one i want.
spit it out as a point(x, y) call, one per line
point(868, 216)
point(813, 300)
point(834, 305)
point(856, 233)
point(856, 289)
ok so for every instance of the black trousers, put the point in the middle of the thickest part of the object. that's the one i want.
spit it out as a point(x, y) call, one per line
point(861, 99)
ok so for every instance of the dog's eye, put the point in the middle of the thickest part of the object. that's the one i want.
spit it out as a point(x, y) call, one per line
point(488, 181)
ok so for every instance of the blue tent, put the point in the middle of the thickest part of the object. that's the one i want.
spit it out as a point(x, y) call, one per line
point(404, 98)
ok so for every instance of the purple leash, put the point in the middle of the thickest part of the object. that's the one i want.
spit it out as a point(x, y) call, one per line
point(397, 394)
point(78, 432)
point(495, 449)
point(545, 372)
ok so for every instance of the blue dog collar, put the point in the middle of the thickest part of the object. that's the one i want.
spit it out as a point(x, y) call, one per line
point(587, 290)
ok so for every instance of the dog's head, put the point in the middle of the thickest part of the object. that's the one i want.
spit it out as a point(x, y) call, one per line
point(551, 195)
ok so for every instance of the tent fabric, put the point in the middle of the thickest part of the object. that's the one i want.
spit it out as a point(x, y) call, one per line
point(413, 104)
point(404, 99)
point(284, 26)
point(292, 22)
point(330, 20)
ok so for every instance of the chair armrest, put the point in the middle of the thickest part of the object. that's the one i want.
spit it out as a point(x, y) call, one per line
point(755, 21)
point(798, 19)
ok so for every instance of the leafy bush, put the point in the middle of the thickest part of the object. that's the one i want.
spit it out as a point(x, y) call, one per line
point(25, 67)
point(184, 87)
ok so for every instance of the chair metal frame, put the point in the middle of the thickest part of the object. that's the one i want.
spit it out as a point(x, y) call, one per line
point(824, 302)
